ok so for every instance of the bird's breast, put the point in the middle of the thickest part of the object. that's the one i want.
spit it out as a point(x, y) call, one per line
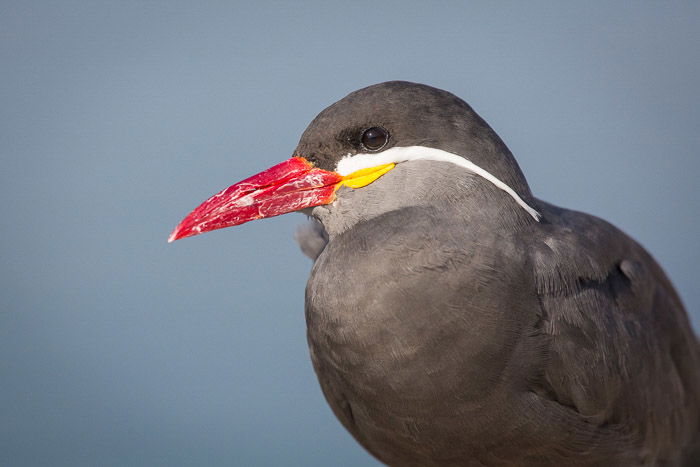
point(410, 329)
point(412, 308)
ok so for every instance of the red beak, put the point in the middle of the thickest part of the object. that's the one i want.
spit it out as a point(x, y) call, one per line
point(289, 186)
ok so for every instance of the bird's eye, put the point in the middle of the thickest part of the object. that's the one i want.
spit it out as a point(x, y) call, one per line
point(374, 138)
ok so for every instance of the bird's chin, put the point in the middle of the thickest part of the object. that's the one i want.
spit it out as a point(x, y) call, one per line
point(320, 213)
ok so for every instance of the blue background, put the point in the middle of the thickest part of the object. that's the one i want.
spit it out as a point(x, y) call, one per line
point(117, 118)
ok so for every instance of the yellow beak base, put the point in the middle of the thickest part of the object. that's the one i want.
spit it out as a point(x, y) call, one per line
point(364, 177)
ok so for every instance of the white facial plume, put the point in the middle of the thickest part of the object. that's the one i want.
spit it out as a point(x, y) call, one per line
point(355, 162)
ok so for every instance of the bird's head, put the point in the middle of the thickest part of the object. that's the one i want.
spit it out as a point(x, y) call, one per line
point(353, 145)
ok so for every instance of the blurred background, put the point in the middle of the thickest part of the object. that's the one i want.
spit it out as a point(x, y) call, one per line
point(118, 118)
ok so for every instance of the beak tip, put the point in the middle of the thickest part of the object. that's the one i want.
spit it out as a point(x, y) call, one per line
point(175, 235)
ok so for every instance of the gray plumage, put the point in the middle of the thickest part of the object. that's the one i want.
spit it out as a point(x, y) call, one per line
point(311, 237)
point(448, 327)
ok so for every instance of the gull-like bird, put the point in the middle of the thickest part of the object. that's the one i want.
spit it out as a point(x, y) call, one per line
point(455, 319)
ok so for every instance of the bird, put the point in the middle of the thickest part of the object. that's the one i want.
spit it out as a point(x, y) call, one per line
point(453, 318)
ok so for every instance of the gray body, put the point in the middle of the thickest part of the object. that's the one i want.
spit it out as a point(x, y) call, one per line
point(448, 327)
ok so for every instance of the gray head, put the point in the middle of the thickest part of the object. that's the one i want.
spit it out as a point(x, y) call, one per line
point(413, 115)
point(378, 123)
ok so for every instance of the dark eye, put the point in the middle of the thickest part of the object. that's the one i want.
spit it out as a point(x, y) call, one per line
point(374, 138)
